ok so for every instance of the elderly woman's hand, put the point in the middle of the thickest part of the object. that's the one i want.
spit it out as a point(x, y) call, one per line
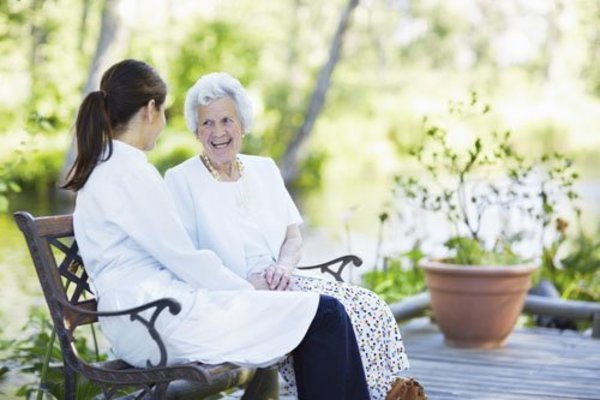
point(278, 278)
point(259, 281)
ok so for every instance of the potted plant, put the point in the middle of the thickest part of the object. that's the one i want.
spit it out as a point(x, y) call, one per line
point(500, 208)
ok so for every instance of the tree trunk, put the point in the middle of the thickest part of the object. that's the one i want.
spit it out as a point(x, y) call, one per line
point(552, 69)
point(39, 37)
point(85, 11)
point(289, 165)
point(111, 43)
point(291, 63)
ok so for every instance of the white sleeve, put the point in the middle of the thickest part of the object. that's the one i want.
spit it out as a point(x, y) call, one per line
point(147, 214)
point(293, 217)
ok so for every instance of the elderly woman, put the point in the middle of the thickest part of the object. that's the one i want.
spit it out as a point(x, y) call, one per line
point(237, 206)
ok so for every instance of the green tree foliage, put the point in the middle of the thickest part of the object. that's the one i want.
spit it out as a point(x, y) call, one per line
point(572, 264)
point(400, 276)
point(399, 57)
point(591, 69)
point(8, 183)
point(38, 43)
point(212, 46)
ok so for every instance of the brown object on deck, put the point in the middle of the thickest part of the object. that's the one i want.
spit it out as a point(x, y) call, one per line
point(477, 306)
point(406, 389)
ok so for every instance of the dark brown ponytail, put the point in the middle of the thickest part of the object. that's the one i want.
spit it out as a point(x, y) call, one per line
point(92, 130)
point(125, 88)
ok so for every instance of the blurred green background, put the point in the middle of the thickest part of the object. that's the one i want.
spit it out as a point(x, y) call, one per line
point(536, 63)
point(380, 66)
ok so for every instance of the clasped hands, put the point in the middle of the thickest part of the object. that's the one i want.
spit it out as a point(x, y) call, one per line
point(274, 277)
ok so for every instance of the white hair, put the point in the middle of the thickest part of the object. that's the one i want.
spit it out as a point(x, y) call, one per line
point(214, 86)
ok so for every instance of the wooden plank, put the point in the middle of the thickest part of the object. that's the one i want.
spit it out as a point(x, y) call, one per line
point(535, 364)
point(482, 380)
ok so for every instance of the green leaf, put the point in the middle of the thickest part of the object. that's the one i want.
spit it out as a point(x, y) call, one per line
point(14, 187)
point(383, 217)
point(3, 204)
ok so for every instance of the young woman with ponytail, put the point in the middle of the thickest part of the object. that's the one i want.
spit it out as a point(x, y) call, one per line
point(136, 250)
point(105, 114)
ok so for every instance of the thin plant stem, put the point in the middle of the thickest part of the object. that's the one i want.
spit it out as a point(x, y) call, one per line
point(45, 364)
point(96, 350)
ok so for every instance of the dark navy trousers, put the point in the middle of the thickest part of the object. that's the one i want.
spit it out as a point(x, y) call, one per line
point(327, 362)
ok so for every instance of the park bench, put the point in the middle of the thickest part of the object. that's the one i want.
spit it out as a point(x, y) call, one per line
point(64, 283)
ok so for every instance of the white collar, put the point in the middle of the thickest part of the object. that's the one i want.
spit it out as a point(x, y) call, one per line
point(128, 150)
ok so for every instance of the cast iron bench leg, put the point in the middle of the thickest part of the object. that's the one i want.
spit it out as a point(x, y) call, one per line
point(70, 383)
point(264, 385)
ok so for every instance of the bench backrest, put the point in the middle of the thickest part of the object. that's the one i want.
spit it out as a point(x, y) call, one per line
point(61, 274)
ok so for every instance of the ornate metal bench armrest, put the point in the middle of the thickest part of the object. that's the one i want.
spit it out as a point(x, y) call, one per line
point(134, 314)
point(343, 261)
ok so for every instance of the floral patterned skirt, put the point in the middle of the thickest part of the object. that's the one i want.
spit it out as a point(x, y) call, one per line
point(377, 334)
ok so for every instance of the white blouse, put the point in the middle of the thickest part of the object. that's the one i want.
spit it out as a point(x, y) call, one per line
point(136, 249)
point(245, 221)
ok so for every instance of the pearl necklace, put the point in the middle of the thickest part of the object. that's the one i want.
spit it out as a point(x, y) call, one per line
point(214, 172)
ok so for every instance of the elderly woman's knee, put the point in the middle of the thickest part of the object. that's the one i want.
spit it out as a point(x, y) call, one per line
point(332, 310)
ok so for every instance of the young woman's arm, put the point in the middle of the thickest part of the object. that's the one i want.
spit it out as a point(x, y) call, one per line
point(148, 215)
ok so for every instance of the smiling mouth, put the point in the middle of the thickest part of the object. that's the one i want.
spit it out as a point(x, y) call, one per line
point(221, 145)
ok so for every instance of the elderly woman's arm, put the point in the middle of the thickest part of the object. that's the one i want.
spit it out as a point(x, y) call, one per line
point(278, 276)
point(291, 249)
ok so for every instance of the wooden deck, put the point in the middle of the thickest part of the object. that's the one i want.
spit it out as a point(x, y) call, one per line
point(535, 364)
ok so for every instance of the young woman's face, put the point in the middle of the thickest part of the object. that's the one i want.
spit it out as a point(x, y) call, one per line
point(220, 130)
point(156, 124)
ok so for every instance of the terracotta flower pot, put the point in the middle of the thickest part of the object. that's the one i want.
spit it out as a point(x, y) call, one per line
point(476, 306)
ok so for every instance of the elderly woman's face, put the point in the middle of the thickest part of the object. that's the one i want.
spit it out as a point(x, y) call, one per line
point(220, 130)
